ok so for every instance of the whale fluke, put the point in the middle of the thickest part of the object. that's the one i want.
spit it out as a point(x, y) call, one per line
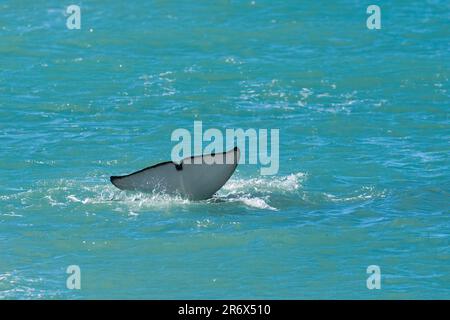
point(195, 178)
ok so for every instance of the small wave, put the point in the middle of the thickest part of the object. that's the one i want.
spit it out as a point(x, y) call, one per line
point(366, 193)
point(14, 285)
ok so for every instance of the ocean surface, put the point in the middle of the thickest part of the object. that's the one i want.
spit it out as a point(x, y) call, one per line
point(364, 175)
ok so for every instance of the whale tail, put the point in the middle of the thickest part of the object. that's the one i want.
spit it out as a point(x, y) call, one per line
point(195, 178)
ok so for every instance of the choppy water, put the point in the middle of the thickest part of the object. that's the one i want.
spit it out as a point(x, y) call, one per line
point(364, 148)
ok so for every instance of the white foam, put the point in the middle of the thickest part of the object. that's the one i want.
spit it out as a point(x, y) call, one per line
point(267, 184)
point(257, 203)
point(256, 192)
point(101, 194)
point(366, 193)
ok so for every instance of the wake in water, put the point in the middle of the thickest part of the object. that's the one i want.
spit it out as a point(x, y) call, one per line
point(253, 192)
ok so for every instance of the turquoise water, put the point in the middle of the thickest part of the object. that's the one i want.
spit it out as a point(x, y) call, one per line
point(364, 149)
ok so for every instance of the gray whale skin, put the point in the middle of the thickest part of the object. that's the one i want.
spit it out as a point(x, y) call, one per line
point(194, 178)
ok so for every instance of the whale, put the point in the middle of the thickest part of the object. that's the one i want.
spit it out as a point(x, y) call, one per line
point(194, 178)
